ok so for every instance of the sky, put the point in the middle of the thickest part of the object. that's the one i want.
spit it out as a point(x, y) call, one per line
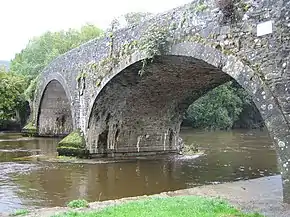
point(20, 20)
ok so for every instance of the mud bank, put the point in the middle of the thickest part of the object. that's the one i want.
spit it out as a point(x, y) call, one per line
point(263, 195)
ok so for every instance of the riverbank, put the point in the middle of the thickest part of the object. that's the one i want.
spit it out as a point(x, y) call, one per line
point(263, 195)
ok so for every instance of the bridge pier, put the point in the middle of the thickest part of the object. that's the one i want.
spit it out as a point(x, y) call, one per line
point(132, 136)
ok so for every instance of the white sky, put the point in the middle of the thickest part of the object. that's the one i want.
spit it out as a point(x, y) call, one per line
point(20, 20)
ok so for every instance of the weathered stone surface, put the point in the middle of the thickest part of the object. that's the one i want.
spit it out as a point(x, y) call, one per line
point(195, 49)
point(54, 116)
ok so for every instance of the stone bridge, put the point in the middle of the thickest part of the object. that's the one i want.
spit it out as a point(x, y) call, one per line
point(126, 93)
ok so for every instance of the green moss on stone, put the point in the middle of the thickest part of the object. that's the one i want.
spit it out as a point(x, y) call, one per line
point(29, 126)
point(74, 139)
point(29, 130)
point(73, 145)
point(201, 7)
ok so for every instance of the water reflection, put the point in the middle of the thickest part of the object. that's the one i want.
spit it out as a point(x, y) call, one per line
point(229, 156)
point(12, 146)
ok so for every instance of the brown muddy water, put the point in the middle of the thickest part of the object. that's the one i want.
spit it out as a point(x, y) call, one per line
point(229, 156)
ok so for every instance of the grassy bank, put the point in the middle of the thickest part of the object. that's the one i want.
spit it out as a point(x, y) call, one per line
point(192, 206)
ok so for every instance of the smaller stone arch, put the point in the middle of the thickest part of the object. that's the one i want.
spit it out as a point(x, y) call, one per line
point(54, 113)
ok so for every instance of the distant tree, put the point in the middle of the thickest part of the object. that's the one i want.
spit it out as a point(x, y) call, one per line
point(40, 51)
point(11, 97)
point(218, 109)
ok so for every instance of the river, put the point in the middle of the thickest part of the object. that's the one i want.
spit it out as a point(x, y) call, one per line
point(229, 156)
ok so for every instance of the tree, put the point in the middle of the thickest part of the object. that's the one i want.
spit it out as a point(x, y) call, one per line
point(218, 109)
point(11, 97)
point(40, 51)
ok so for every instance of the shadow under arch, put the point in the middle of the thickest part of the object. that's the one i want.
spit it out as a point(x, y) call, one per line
point(54, 115)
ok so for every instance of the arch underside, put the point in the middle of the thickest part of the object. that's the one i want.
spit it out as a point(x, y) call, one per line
point(136, 114)
point(54, 117)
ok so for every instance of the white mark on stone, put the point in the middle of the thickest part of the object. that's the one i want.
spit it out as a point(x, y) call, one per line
point(164, 143)
point(245, 17)
point(263, 107)
point(284, 165)
point(265, 28)
point(264, 97)
point(270, 107)
point(281, 144)
point(284, 65)
point(138, 143)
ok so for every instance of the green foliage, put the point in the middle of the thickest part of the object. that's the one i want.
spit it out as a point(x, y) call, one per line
point(11, 97)
point(153, 42)
point(20, 212)
point(40, 51)
point(30, 91)
point(78, 204)
point(184, 206)
point(219, 108)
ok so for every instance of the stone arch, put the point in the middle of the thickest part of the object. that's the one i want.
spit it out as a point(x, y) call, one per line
point(54, 114)
point(215, 61)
